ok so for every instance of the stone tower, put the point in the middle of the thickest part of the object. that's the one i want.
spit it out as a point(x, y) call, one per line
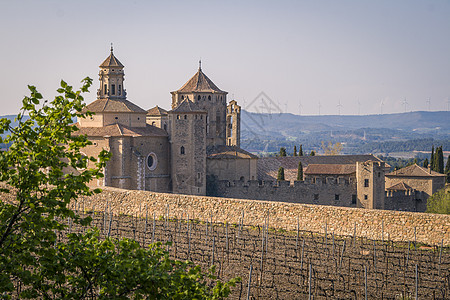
point(207, 97)
point(370, 184)
point(233, 124)
point(187, 126)
point(111, 78)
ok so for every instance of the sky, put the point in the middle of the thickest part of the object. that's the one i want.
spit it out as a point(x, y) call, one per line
point(302, 57)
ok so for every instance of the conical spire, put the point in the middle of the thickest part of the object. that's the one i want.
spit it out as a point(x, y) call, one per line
point(111, 61)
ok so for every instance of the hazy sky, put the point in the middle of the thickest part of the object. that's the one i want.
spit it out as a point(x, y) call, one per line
point(306, 52)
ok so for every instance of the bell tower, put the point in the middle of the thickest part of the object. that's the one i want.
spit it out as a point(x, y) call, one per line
point(111, 78)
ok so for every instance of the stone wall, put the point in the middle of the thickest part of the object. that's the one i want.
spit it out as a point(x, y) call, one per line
point(330, 191)
point(374, 224)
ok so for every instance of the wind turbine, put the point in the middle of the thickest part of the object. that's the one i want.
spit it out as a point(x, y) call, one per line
point(448, 103)
point(405, 103)
point(381, 107)
point(359, 108)
point(319, 107)
point(429, 103)
point(300, 106)
point(339, 107)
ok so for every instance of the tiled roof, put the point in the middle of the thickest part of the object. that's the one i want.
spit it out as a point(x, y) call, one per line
point(199, 83)
point(329, 169)
point(187, 106)
point(157, 111)
point(119, 130)
point(414, 171)
point(111, 61)
point(268, 166)
point(401, 186)
point(113, 105)
point(217, 152)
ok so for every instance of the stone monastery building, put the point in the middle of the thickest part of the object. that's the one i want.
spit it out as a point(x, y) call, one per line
point(194, 148)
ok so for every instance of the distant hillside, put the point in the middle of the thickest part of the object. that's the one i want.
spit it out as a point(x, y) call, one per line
point(359, 134)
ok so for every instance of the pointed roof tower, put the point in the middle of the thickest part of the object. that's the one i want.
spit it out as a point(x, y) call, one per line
point(111, 61)
point(199, 83)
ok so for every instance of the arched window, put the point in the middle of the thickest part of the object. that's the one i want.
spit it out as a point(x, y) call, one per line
point(152, 161)
point(153, 123)
point(182, 150)
point(113, 89)
point(182, 97)
point(165, 127)
point(198, 98)
point(185, 117)
point(209, 97)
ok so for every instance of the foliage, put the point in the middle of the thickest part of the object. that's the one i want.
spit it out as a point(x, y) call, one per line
point(300, 152)
point(295, 150)
point(425, 163)
point(282, 151)
point(439, 202)
point(300, 171)
point(34, 174)
point(438, 164)
point(331, 149)
point(432, 158)
point(447, 169)
point(313, 153)
point(280, 175)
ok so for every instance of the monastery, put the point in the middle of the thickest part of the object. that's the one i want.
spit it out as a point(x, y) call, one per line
point(194, 148)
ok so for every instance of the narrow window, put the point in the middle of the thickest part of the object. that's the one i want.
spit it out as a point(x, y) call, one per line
point(120, 90)
point(182, 150)
point(336, 197)
point(316, 197)
point(153, 123)
point(165, 127)
point(178, 117)
point(198, 98)
point(106, 88)
point(365, 197)
point(185, 117)
point(113, 89)
point(353, 199)
point(366, 182)
point(209, 97)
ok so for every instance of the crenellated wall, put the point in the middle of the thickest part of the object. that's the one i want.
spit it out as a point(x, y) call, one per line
point(369, 223)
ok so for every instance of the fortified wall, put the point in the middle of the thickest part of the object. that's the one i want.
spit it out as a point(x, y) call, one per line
point(333, 192)
point(373, 224)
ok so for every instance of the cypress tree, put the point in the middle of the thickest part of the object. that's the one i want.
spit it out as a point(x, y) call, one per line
point(425, 163)
point(447, 169)
point(439, 160)
point(432, 158)
point(295, 150)
point(280, 176)
point(300, 152)
point(300, 171)
point(312, 153)
point(282, 151)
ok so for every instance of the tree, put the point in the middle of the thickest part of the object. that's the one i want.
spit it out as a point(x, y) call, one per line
point(280, 175)
point(300, 152)
point(331, 149)
point(312, 153)
point(439, 160)
point(295, 150)
point(282, 151)
point(425, 163)
point(439, 202)
point(34, 209)
point(447, 169)
point(300, 171)
point(432, 158)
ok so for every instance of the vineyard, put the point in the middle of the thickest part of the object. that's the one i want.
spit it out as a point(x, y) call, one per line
point(292, 265)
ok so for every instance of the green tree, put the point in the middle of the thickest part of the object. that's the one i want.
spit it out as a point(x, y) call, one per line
point(300, 171)
point(425, 163)
point(280, 175)
point(447, 169)
point(312, 153)
point(439, 160)
point(439, 202)
point(432, 159)
point(282, 151)
point(300, 152)
point(34, 208)
point(295, 150)
point(331, 149)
